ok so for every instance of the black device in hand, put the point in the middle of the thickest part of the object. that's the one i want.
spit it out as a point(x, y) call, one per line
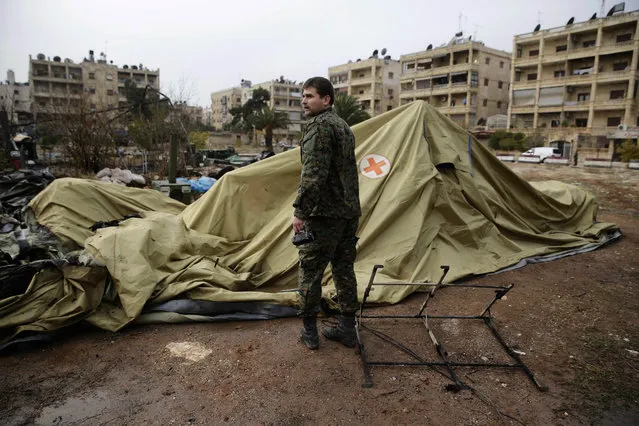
point(303, 237)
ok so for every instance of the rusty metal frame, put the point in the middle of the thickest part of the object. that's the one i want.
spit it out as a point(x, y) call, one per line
point(423, 315)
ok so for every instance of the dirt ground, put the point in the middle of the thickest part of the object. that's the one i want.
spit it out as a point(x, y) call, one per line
point(573, 320)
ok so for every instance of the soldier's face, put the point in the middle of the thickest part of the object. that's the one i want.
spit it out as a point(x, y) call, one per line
point(313, 103)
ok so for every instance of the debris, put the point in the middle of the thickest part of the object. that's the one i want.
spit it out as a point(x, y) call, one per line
point(519, 352)
point(120, 177)
point(632, 352)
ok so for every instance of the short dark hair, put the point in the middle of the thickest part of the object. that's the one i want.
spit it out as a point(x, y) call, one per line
point(322, 85)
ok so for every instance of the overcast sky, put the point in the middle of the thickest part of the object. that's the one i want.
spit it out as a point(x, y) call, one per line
point(211, 45)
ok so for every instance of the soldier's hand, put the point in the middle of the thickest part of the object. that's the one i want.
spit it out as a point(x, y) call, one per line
point(298, 225)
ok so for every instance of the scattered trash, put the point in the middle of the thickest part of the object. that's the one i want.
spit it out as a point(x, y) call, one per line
point(519, 352)
point(632, 352)
point(200, 185)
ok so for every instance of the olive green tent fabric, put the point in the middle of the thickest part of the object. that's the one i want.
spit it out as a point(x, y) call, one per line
point(69, 207)
point(423, 206)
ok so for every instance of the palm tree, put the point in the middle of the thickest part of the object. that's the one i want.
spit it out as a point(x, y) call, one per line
point(268, 119)
point(349, 109)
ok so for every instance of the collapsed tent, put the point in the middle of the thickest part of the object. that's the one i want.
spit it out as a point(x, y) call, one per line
point(428, 199)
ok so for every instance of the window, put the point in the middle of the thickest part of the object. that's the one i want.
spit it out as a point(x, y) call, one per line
point(519, 51)
point(487, 61)
point(583, 97)
point(485, 82)
point(619, 66)
point(498, 104)
point(391, 75)
point(561, 48)
point(532, 76)
point(361, 75)
point(616, 94)
point(554, 123)
point(501, 64)
point(589, 43)
point(474, 79)
point(361, 92)
point(15, 92)
point(238, 100)
point(560, 73)
point(500, 84)
point(390, 91)
point(389, 107)
point(581, 122)
point(533, 53)
point(409, 67)
point(91, 76)
point(613, 121)
point(110, 92)
point(485, 103)
point(624, 37)
point(92, 90)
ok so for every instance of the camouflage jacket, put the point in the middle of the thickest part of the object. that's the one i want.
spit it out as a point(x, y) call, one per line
point(329, 184)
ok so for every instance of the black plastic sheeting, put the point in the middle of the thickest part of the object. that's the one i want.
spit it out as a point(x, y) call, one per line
point(224, 311)
point(18, 188)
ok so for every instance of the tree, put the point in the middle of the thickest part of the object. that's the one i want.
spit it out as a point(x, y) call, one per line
point(349, 109)
point(84, 132)
point(629, 150)
point(268, 119)
point(242, 114)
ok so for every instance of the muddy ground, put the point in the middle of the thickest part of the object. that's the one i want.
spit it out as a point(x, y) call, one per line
point(574, 321)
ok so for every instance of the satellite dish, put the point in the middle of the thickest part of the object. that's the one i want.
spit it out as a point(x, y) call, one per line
point(570, 21)
point(383, 52)
point(430, 47)
point(375, 52)
point(593, 17)
point(537, 28)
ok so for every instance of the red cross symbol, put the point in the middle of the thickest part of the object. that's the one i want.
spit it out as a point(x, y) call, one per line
point(374, 166)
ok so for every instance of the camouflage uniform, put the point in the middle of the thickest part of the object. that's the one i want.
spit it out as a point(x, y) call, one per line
point(328, 201)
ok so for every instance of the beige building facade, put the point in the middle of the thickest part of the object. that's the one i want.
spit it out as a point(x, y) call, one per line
point(286, 97)
point(15, 99)
point(55, 82)
point(578, 80)
point(464, 79)
point(373, 81)
point(221, 104)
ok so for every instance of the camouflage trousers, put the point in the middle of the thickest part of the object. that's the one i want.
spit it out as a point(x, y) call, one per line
point(334, 243)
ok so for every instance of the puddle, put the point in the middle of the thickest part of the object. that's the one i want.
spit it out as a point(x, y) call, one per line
point(76, 409)
point(192, 351)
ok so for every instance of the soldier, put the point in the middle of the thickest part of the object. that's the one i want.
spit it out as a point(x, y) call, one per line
point(326, 208)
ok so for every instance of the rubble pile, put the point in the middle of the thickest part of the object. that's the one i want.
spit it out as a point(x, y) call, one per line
point(120, 177)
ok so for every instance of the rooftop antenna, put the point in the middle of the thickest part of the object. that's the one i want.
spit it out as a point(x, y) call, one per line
point(602, 11)
point(539, 17)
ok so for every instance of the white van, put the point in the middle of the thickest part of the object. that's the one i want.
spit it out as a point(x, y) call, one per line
point(542, 152)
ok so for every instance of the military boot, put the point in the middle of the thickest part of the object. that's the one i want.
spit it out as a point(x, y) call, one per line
point(308, 334)
point(344, 332)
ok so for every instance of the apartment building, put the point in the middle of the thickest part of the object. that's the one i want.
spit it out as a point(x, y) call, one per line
point(373, 81)
point(221, 104)
point(577, 80)
point(55, 82)
point(464, 79)
point(286, 96)
point(15, 99)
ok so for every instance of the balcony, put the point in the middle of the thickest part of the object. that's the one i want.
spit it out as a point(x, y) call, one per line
point(576, 105)
point(610, 104)
point(525, 84)
point(526, 61)
point(617, 47)
point(523, 109)
point(612, 76)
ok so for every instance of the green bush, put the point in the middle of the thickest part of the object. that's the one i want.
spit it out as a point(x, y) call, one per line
point(628, 151)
